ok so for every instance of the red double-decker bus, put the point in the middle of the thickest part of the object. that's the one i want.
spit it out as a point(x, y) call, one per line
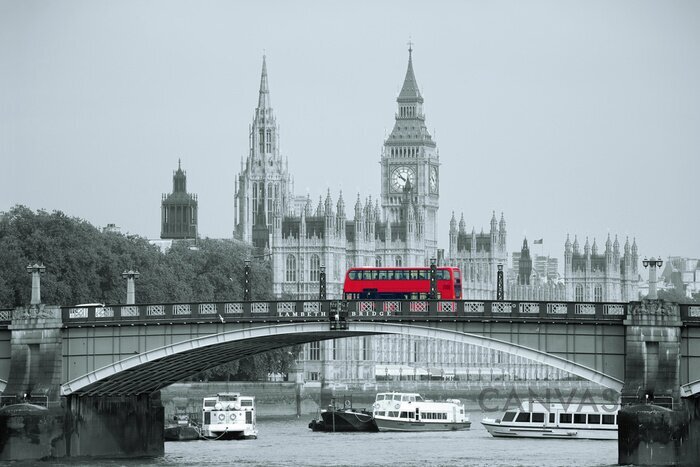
point(401, 283)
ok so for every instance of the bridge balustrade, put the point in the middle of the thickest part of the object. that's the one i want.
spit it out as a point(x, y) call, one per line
point(357, 310)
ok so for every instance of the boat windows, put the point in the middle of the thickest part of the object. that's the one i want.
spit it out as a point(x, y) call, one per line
point(564, 418)
point(508, 416)
point(551, 417)
point(523, 417)
point(392, 413)
point(579, 418)
point(245, 403)
point(380, 397)
point(593, 419)
point(538, 417)
point(379, 413)
point(405, 415)
point(608, 419)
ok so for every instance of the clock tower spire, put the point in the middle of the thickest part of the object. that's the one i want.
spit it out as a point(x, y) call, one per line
point(410, 154)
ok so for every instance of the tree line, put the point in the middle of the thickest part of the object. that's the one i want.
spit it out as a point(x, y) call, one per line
point(84, 265)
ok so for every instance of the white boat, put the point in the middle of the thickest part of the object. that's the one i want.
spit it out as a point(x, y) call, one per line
point(404, 411)
point(534, 419)
point(229, 416)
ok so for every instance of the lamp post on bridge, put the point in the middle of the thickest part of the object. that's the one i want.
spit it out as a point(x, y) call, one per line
point(652, 264)
point(246, 281)
point(433, 279)
point(36, 270)
point(499, 283)
point(130, 277)
point(322, 283)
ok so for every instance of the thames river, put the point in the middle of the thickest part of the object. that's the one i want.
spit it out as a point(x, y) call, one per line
point(289, 442)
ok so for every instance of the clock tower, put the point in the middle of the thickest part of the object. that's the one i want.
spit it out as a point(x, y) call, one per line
point(410, 154)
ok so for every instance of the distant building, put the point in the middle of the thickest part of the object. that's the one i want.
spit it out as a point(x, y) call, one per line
point(681, 273)
point(179, 210)
point(534, 279)
point(478, 257)
point(111, 228)
point(608, 277)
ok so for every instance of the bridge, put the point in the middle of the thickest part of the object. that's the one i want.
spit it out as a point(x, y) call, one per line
point(98, 363)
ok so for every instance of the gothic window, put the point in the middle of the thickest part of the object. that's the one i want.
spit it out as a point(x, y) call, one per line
point(598, 293)
point(579, 293)
point(397, 261)
point(268, 142)
point(291, 275)
point(255, 200)
point(314, 266)
point(269, 199)
point(315, 351)
point(262, 140)
point(378, 261)
point(335, 349)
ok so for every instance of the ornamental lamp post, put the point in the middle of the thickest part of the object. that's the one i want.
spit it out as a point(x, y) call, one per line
point(36, 270)
point(652, 264)
point(499, 283)
point(433, 279)
point(130, 277)
point(322, 283)
point(246, 281)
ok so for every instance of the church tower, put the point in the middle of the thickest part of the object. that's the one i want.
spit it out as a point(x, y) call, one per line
point(178, 210)
point(410, 156)
point(264, 179)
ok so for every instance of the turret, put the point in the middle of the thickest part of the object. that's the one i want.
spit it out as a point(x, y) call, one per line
point(594, 248)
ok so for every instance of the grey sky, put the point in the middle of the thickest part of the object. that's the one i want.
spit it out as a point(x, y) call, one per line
point(568, 117)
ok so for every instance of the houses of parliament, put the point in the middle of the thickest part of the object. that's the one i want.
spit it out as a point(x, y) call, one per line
point(300, 236)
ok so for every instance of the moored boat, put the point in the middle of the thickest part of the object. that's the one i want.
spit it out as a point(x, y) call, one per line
point(400, 411)
point(343, 418)
point(182, 429)
point(229, 416)
point(534, 419)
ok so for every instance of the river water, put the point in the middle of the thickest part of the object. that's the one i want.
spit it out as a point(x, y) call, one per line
point(289, 442)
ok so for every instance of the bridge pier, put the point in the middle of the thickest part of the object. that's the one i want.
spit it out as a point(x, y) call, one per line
point(656, 426)
point(114, 426)
point(36, 422)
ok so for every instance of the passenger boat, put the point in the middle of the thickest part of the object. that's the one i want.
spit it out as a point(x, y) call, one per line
point(534, 419)
point(403, 411)
point(229, 416)
point(343, 418)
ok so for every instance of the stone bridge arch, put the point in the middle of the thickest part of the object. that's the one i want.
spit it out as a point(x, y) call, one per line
point(155, 369)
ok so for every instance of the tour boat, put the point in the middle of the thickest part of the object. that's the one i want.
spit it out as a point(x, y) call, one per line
point(343, 418)
point(534, 419)
point(229, 416)
point(405, 411)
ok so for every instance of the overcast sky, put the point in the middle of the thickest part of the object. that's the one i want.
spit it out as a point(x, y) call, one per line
point(578, 117)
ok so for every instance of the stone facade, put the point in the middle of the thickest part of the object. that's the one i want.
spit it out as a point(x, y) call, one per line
point(608, 277)
point(179, 210)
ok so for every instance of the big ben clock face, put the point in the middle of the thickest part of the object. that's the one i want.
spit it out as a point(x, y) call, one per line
point(433, 182)
point(400, 176)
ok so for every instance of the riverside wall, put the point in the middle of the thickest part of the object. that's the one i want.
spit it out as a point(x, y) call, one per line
point(279, 399)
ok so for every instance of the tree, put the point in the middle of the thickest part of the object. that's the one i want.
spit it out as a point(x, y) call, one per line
point(84, 265)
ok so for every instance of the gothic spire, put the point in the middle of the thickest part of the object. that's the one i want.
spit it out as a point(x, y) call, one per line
point(409, 90)
point(264, 97)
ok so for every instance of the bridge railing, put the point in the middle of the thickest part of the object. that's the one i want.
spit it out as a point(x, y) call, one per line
point(355, 310)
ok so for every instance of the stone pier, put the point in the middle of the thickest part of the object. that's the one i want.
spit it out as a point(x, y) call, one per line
point(37, 423)
point(656, 426)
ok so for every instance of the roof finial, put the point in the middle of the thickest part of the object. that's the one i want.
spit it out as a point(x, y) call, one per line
point(178, 163)
point(410, 47)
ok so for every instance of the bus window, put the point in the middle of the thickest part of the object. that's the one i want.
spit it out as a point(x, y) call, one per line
point(382, 274)
point(457, 274)
point(443, 275)
point(390, 275)
point(423, 274)
point(352, 275)
point(414, 274)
